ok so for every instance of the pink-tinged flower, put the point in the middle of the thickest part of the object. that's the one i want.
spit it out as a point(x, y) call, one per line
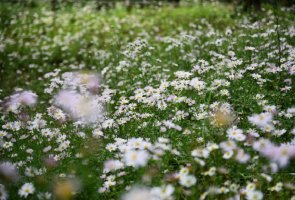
point(242, 157)
point(8, 172)
point(25, 98)
point(278, 154)
point(261, 120)
point(82, 81)
point(66, 99)
point(292, 70)
point(92, 83)
point(3, 193)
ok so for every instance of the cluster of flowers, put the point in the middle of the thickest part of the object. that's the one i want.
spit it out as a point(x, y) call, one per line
point(14, 102)
point(216, 121)
point(77, 97)
point(134, 152)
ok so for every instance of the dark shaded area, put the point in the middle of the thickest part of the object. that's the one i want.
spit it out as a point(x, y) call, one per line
point(256, 5)
point(243, 5)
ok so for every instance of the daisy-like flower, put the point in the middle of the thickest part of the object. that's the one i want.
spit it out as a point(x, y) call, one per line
point(2, 133)
point(182, 74)
point(26, 98)
point(228, 145)
point(261, 120)
point(82, 80)
point(247, 48)
point(97, 133)
point(164, 192)
point(254, 195)
point(235, 133)
point(242, 157)
point(197, 84)
point(80, 107)
point(26, 190)
point(228, 154)
point(278, 154)
point(281, 154)
point(112, 165)
point(183, 171)
point(136, 158)
point(187, 180)
point(139, 193)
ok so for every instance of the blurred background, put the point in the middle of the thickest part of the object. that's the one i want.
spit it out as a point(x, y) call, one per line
point(239, 5)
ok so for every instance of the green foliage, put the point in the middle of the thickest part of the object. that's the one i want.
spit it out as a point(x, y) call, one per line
point(73, 38)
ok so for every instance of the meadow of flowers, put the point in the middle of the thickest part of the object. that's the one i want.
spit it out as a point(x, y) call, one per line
point(158, 104)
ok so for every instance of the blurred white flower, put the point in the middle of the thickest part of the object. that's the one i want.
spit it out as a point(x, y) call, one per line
point(25, 98)
point(83, 108)
point(187, 180)
point(139, 193)
point(136, 158)
point(3, 193)
point(112, 165)
point(26, 190)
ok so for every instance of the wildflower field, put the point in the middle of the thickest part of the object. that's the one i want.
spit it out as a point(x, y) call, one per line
point(188, 102)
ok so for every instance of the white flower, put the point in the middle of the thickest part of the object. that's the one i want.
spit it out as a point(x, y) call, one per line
point(137, 193)
point(242, 157)
point(164, 192)
point(235, 133)
point(268, 128)
point(254, 195)
point(27, 98)
point(7, 145)
point(26, 190)
point(250, 187)
point(136, 143)
point(97, 133)
point(80, 107)
point(228, 145)
point(261, 120)
point(197, 84)
point(182, 74)
point(187, 180)
point(240, 137)
point(228, 31)
point(183, 171)
point(212, 171)
point(136, 158)
point(112, 165)
point(249, 48)
point(228, 154)
point(2, 133)
point(253, 133)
